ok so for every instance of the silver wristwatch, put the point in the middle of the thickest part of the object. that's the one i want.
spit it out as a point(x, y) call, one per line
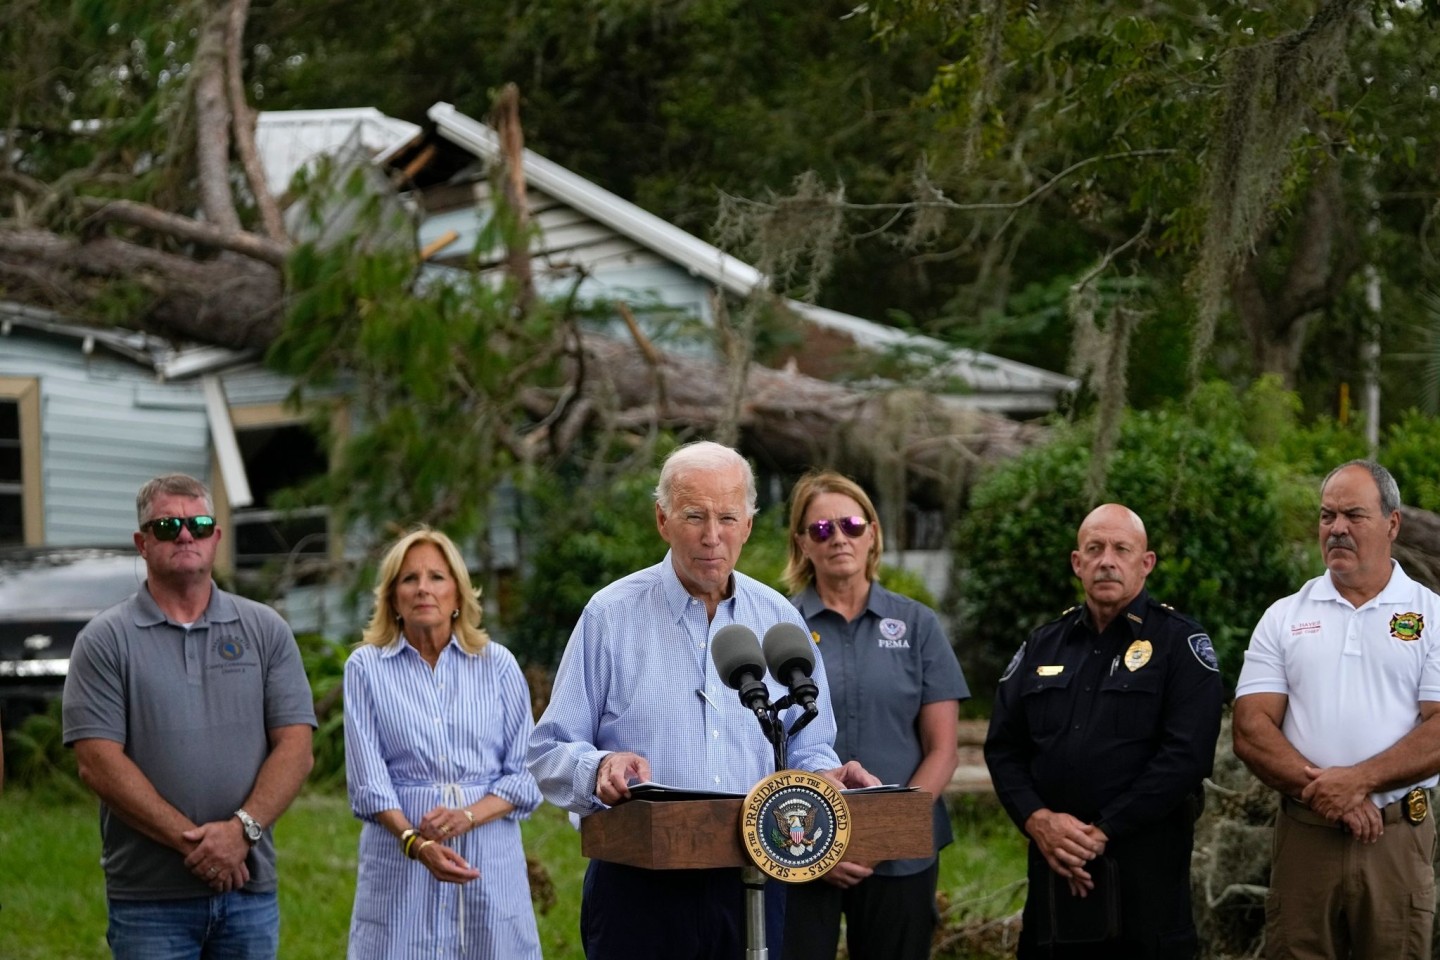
point(253, 830)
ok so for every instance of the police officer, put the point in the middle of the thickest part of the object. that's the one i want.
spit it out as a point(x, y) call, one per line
point(1104, 726)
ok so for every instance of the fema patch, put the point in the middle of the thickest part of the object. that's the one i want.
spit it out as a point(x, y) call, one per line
point(1014, 664)
point(892, 629)
point(1407, 626)
point(1204, 652)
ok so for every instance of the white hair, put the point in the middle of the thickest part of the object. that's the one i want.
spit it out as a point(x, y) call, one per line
point(704, 455)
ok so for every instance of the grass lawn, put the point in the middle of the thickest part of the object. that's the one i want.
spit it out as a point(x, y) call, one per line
point(52, 895)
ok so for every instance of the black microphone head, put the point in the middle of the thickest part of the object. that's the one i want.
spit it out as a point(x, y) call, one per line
point(736, 652)
point(788, 648)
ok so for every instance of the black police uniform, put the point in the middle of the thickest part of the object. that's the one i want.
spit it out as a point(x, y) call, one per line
point(1117, 730)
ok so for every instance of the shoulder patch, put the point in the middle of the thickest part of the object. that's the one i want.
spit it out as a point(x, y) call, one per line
point(1014, 664)
point(1204, 651)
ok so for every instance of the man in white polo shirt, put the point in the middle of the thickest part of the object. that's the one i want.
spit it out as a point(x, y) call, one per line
point(1338, 708)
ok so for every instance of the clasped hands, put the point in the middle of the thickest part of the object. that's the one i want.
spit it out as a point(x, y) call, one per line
point(444, 863)
point(217, 853)
point(1068, 844)
point(1342, 794)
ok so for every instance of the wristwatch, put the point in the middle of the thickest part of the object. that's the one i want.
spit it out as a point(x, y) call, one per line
point(253, 830)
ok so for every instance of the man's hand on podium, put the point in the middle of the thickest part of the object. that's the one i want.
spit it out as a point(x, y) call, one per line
point(851, 776)
point(846, 874)
point(616, 771)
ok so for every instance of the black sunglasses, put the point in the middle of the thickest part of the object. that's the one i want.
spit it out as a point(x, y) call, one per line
point(168, 528)
point(822, 530)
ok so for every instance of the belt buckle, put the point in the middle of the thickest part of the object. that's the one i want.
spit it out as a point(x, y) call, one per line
point(1417, 806)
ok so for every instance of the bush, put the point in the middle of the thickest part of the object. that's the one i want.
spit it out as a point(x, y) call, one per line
point(1409, 452)
point(325, 667)
point(37, 759)
point(1208, 507)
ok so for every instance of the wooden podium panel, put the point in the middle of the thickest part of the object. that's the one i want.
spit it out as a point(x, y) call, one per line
point(695, 834)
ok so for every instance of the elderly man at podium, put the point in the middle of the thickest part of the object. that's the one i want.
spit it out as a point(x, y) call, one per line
point(637, 698)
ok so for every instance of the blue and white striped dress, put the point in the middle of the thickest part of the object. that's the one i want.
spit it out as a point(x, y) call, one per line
point(416, 739)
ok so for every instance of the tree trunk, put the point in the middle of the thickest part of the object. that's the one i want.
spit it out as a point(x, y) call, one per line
point(1418, 545)
point(1322, 256)
point(791, 421)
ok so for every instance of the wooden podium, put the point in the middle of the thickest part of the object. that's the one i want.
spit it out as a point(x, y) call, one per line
point(696, 834)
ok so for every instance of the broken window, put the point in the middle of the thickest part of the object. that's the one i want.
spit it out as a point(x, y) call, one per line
point(272, 533)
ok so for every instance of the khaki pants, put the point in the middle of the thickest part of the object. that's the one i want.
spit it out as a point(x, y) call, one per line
point(1334, 898)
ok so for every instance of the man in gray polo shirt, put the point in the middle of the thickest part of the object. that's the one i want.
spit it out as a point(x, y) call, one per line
point(191, 718)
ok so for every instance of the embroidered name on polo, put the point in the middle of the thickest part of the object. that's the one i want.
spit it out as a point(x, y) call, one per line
point(1304, 626)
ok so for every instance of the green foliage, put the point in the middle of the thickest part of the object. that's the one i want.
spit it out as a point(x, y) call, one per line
point(907, 583)
point(434, 375)
point(1209, 511)
point(325, 668)
point(1411, 451)
point(578, 536)
point(37, 759)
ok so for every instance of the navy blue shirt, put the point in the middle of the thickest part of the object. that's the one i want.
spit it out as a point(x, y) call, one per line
point(883, 666)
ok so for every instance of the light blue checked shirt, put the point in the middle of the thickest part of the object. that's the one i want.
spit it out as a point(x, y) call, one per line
point(637, 676)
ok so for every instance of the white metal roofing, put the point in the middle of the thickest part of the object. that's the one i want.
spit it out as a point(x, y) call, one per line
point(289, 139)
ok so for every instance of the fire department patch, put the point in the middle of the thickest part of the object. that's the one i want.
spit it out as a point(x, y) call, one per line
point(1407, 626)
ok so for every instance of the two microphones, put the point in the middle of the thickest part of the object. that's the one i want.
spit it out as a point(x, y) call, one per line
point(741, 663)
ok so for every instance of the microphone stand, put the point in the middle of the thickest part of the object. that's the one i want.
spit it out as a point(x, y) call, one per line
point(751, 876)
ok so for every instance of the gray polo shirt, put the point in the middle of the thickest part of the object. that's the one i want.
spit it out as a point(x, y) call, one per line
point(192, 708)
point(883, 667)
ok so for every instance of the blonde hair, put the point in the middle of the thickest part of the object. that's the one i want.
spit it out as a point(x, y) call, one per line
point(799, 571)
point(384, 626)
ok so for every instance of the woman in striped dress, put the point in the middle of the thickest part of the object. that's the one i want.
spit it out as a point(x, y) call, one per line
point(437, 720)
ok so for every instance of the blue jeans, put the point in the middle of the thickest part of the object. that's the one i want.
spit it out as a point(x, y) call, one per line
point(226, 926)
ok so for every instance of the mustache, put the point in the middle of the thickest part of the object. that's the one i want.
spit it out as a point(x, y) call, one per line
point(1108, 576)
point(1339, 540)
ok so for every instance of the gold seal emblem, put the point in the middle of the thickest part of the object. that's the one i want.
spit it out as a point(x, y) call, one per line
point(1417, 805)
point(794, 826)
point(1138, 654)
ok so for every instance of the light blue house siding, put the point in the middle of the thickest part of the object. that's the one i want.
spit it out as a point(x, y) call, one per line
point(104, 431)
point(570, 246)
point(108, 424)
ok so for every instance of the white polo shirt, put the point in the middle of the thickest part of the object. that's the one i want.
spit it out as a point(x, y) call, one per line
point(1355, 677)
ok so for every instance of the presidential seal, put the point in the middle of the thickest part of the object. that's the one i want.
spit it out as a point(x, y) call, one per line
point(794, 826)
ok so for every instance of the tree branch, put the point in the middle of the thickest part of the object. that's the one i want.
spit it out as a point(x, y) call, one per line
point(189, 230)
point(212, 122)
point(244, 123)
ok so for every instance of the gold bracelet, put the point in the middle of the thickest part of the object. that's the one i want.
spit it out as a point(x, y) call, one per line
point(410, 843)
point(468, 815)
point(421, 849)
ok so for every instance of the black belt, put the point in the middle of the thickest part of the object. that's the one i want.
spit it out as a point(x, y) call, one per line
point(1413, 808)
